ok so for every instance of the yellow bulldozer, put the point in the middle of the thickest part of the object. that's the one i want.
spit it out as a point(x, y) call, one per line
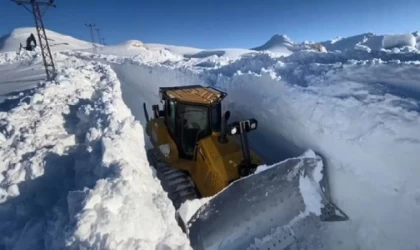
point(197, 153)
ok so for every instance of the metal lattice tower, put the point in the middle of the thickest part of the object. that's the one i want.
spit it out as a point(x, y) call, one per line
point(42, 36)
point(92, 35)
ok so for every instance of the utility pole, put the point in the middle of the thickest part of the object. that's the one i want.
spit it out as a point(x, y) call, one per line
point(92, 35)
point(42, 35)
point(103, 41)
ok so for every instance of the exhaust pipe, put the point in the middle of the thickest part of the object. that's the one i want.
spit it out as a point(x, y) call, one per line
point(222, 138)
point(145, 112)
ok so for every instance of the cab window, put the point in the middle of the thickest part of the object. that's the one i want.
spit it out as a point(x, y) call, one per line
point(193, 125)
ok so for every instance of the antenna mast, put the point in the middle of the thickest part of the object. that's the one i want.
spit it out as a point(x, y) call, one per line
point(42, 35)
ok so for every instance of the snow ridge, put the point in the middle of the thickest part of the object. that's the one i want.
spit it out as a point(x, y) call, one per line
point(75, 172)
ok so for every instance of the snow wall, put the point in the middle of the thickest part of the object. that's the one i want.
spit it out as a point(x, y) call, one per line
point(362, 116)
point(74, 172)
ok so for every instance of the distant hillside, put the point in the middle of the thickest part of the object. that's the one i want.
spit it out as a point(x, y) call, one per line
point(57, 41)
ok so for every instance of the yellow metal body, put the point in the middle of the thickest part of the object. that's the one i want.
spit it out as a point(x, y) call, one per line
point(214, 165)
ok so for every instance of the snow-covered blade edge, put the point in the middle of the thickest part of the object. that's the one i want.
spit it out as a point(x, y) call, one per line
point(281, 205)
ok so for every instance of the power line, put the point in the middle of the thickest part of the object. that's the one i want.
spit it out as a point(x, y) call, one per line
point(42, 35)
point(99, 35)
point(92, 35)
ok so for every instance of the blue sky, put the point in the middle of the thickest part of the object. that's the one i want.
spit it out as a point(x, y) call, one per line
point(220, 23)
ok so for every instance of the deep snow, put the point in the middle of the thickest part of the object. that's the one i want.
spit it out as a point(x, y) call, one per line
point(74, 171)
point(358, 107)
point(58, 42)
point(362, 116)
point(366, 131)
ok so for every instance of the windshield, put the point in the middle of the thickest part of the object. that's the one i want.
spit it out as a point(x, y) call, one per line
point(194, 125)
point(195, 117)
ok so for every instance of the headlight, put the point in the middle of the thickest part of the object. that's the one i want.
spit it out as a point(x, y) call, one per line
point(233, 130)
point(253, 125)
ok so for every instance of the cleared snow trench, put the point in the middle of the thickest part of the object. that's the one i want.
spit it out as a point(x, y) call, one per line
point(355, 114)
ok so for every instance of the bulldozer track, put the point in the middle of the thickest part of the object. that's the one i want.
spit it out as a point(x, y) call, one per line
point(177, 183)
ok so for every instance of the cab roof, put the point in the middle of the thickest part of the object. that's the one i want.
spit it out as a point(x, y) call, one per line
point(193, 94)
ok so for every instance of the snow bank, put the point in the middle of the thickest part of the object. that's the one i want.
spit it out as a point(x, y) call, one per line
point(141, 83)
point(114, 203)
point(26, 57)
point(121, 54)
point(362, 48)
point(347, 107)
point(362, 117)
point(190, 207)
point(347, 43)
point(74, 170)
point(391, 41)
point(13, 85)
point(372, 41)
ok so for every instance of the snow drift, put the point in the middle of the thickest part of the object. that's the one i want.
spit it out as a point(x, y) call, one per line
point(392, 41)
point(364, 122)
point(74, 169)
point(284, 45)
point(372, 41)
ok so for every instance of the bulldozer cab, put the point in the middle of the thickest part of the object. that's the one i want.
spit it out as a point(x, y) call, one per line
point(191, 113)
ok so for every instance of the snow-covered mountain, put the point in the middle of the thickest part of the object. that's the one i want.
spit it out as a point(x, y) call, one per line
point(278, 43)
point(73, 168)
point(57, 41)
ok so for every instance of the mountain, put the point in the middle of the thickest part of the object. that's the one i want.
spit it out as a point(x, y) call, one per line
point(279, 44)
point(57, 41)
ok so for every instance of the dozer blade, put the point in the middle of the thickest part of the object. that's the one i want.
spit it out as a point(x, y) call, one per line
point(277, 208)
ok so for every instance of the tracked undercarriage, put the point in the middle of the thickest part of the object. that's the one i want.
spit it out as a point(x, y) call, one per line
point(177, 183)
